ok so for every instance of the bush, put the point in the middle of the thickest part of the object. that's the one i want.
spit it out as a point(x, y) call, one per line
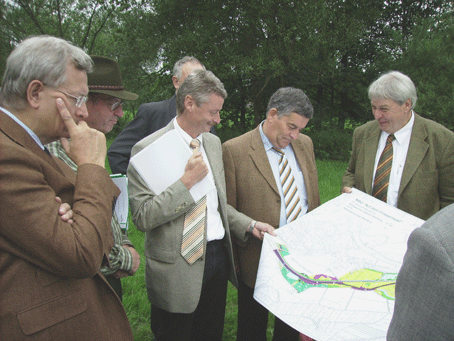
point(331, 143)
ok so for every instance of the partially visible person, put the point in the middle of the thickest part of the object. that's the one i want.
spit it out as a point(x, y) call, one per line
point(150, 118)
point(424, 292)
point(50, 283)
point(416, 172)
point(104, 105)
point(188, 244)
point(254, 187)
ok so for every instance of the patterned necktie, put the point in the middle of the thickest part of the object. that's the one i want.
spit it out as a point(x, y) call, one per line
point(381, 181)
point(194, 225)
point(291, 197)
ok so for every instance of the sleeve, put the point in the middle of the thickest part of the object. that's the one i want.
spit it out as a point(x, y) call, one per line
point(31, 228)
point(149, 210)
point(119, 152)
point(446, 172)
point(424, 291)
point(119, 257)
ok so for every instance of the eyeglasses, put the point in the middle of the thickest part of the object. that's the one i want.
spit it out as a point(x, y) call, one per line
point(80, 100)
point(116, 105)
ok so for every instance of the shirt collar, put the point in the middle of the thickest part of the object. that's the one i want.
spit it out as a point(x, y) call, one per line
point(27, 129)
point(267, 143)
point(186, 137)
point(405, 131)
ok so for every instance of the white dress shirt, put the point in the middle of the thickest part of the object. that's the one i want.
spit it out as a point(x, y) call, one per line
point(400, 150)
point(273, 158)
point(215, 228)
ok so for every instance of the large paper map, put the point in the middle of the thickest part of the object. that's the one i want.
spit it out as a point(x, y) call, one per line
point(331, 274)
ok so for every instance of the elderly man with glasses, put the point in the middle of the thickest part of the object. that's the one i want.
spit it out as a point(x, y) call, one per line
point(50, 280)
point(104, 106)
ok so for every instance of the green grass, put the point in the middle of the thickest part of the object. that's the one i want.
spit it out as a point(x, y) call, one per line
point(135, 298)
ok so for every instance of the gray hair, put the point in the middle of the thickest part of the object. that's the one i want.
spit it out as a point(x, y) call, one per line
point(178, 67)
point(394, 85)
point(291, 100)
point(200, 85)
point(44, 58)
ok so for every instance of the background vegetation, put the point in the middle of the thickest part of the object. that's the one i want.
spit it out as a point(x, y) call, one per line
point(332, 49)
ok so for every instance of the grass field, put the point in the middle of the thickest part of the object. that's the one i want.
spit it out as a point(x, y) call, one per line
point(135, 298)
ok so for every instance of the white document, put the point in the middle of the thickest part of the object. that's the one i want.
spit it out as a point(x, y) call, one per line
point(122, 204)
point(162, 163)
point(331, 274)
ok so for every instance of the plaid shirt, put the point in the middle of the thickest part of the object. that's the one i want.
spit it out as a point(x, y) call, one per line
point(119, 257)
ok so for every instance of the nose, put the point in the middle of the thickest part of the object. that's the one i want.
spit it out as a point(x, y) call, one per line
point(376, 113)
point(293, 135)
point(119, 112)
point(217, 118)
point(82, 111)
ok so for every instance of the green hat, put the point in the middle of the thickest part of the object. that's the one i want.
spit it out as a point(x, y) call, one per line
point(106, 79)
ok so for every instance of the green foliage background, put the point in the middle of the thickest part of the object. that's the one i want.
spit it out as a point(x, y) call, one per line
point(332, 49)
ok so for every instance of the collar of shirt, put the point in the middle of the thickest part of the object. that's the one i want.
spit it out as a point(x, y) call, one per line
point(403, 133)
point(27, 129)
point(185, 136)
point(268, 145)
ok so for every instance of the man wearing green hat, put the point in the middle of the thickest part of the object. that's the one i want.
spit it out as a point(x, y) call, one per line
point(104, 106)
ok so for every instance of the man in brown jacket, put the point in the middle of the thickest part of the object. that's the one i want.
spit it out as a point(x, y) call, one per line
point(50, 284)
point(254, 187)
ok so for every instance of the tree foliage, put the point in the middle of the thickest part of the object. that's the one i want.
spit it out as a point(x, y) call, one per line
point(332, 49)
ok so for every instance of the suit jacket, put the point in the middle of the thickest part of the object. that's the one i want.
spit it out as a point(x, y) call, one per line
point(173, 284)
point(427, 183)
point(150, 118)
point(50, 284)
point(424, 289)
point(252, 188)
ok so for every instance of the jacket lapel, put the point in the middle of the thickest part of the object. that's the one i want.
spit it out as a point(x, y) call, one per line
point(17, 134)
point(370, 150)
point(416, 151)
point(260, 159)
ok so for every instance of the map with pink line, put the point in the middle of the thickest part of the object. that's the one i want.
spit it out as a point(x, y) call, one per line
point(331, 274)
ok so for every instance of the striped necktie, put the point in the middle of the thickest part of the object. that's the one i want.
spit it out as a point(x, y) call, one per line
point(291, 197)
point(381, 181)
point(194, 226)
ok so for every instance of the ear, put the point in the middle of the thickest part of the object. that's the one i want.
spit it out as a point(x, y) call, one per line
point(189, 103)
point(407, 104)
point(272, 114)
point(175, 82)
point(34, 93)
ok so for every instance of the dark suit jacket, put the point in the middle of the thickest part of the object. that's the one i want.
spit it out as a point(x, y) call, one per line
point(50, 284)
point(150, 118)
point(252, 188)
point(173, 284)
point(427, 183)
point(424, 289)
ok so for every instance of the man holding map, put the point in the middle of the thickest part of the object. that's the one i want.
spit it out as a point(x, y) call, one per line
point(253, 163)
point(416, 175)
point(188, 245)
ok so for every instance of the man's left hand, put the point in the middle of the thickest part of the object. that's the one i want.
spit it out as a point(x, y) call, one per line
point(261, 228)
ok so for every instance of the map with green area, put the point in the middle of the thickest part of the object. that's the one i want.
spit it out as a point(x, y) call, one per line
point(363, 279)
point(331, 274)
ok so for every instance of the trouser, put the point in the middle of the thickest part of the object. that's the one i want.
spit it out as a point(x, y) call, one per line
point(253, 319)
point(207, 321)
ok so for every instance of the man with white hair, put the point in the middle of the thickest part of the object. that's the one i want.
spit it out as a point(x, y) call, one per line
point(400, 157)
